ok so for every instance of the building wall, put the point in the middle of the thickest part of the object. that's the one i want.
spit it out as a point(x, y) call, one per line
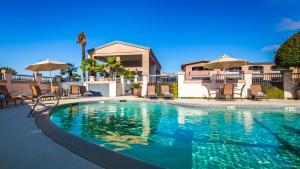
point(121, 51)
point(188, 69)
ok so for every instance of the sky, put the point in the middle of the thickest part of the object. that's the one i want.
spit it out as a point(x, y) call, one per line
point(178, 31)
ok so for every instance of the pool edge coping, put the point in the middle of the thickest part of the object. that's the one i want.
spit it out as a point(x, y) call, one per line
point(91, 151)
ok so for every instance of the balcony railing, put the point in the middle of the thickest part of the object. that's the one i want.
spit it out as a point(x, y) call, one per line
point(296, 76)
point(162, 79)
point(203, 77)
point(23, 78)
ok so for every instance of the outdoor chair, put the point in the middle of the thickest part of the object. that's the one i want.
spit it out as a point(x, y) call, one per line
point(256, 92)
point(165, 91)
point(37, 92)
point(151, 93)
point(84, 92)
point(74, 90)
point(241, 92)
point(212, 92)
point(57, 90)
point(226, 92)
point(5, 97)
point(38, 95)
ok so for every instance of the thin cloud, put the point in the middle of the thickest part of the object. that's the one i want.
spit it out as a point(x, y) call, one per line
point(271, 48)
point(288, 24)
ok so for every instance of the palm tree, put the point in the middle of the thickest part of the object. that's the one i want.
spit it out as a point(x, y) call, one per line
point(70, 71)
point(81, 40)
point(113, 65)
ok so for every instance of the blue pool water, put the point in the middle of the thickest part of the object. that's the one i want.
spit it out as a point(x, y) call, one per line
point(180, 137)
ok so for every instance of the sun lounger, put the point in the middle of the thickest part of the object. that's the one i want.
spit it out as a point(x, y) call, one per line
point(5, 97)
point(165, 91)
point(256, 92)
point(84, 92)
point(227, 92)
point(74, 90)
point(151, 93)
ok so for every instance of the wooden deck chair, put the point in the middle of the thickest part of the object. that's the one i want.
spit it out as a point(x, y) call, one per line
point(165, 91)
point(84, 92)
point(5, 97)
point(256, 92)
point(227, 92)
point(74, 90)
point(151, 92)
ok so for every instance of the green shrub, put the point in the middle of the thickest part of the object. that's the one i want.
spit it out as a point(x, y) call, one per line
point(274, 93)
point(136, 85)
point(175, 90)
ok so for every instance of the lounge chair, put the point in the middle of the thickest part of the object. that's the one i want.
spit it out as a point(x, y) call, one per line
point(74, 90)
point(227, 92)
point(5, 97)
point(38, 95)
point(84, 92)
point(57, 90)
point(241, 92)
point(37, 92)
point(256, 92)
point(151, 92)
point(165, 91)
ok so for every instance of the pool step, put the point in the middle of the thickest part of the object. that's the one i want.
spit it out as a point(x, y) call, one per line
point(290, 108)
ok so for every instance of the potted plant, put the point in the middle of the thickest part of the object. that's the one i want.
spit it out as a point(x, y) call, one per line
point(136, 89)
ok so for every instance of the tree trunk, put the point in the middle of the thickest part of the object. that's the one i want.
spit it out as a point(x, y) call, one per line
point(83, 58)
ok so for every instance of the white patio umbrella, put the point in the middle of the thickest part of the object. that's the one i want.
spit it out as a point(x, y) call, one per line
point(225, 62)
point(47, 65)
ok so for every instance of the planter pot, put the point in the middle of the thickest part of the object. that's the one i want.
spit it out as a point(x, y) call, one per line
point(137, 92)
point(92, 78)
point(298, 94)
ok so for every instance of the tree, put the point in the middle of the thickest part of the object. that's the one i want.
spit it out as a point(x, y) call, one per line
point(288, 55)
point(81, 40)
point(70, 71)
point(113, 65)
point(91, 65)
point(126, 73)
point(14, 72)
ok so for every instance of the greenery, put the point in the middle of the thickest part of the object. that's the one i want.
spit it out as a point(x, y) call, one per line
point(126, 73)
point(175, 90)
point(112, 65)
point(136, 85)
point(288, 55)
point(91, 65)
point(274, 93)
point(81, 40)
point(9, 69)
point(70, 71)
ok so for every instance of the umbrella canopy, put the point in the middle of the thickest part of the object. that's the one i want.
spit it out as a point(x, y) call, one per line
point(225, 62)
point(47, 65)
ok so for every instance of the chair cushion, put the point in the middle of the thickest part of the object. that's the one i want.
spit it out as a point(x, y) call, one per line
point(3, 96)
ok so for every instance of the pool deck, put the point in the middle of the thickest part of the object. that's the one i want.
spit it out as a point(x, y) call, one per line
point(23, 145)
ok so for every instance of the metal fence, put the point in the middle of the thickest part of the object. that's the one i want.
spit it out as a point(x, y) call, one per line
point(203, 77)
point(154, 79)
point(235, 76)
point(23, 78)
point(268, 80)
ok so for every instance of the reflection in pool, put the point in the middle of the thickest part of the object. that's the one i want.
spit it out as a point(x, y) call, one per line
point(182, 137)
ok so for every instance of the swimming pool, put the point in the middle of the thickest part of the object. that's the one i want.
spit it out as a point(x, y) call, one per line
point(179, 137)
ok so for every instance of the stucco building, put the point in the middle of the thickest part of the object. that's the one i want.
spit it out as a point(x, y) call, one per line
point(133, 57)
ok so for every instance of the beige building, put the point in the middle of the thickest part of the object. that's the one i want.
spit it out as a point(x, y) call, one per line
point(133, 57)
point(197, 68)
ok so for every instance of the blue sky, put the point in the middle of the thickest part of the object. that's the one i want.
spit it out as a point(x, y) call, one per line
point(177, 31)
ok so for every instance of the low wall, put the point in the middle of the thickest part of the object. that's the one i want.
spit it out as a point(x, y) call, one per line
point(16, 87)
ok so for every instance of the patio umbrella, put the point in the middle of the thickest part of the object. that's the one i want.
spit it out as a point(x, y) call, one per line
point(225, 62)
point(47, 65)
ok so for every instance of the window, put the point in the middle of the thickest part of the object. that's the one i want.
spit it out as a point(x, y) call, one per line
point(256, 68)
point(234, 69)
point(199, 68)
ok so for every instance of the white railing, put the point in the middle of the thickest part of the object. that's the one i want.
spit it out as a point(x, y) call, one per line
point(162, 79)
point(23, 78)
point(202, 77)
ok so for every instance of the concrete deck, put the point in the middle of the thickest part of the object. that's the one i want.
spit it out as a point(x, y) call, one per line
point(23, 145)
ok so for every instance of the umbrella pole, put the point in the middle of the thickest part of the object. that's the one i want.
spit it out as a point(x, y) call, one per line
point(224, 75)
point(50, 81)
